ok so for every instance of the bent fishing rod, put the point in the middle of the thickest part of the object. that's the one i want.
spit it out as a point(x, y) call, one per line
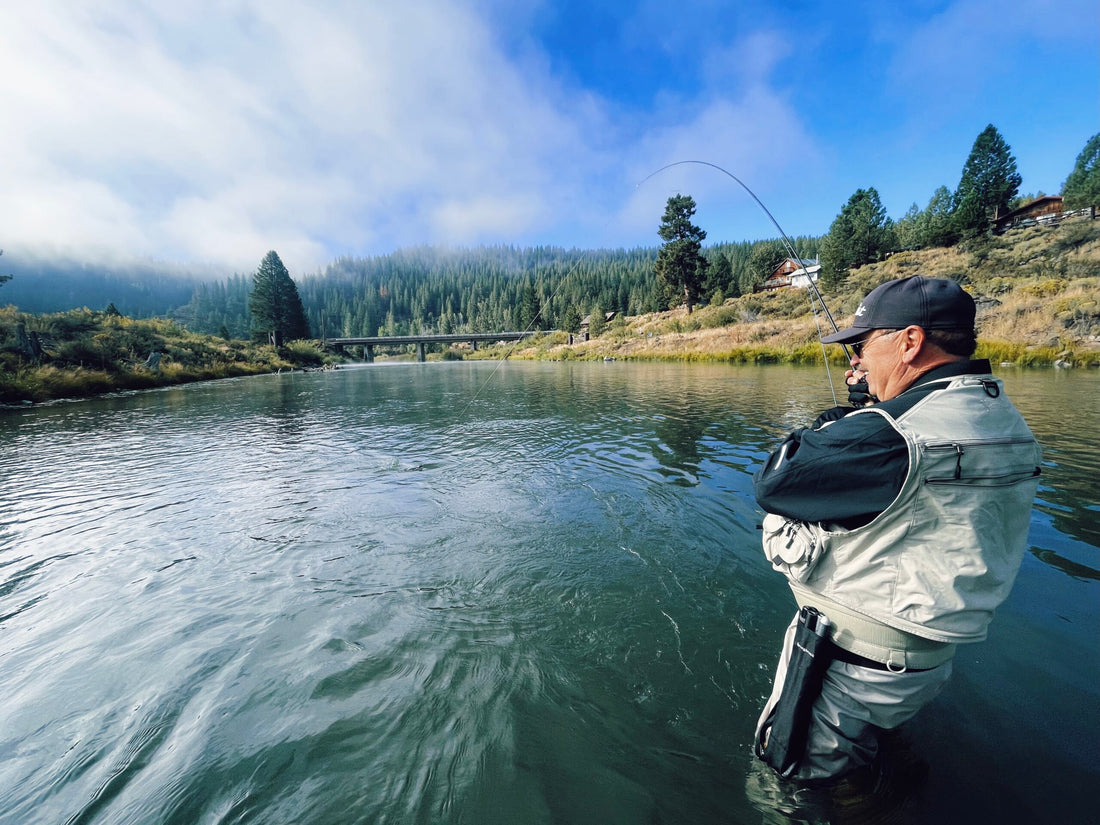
point(815, 292)
point(787, 241)
point(790, 248)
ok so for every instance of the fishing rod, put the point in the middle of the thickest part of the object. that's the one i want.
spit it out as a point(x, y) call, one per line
point(786, 242)
point(815, 292)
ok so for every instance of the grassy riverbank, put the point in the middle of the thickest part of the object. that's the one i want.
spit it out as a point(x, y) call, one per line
point(82, 353)
point(1038, 294)
point(1037, 289)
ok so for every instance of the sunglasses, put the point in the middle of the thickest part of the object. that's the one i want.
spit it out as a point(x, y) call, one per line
point(857, 346)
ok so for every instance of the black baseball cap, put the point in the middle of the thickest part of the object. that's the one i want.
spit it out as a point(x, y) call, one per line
point(931, 303)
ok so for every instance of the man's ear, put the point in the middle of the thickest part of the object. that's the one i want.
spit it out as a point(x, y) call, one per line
point(914, 343)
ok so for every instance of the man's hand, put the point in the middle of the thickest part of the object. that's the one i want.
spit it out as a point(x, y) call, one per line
point(859, 394)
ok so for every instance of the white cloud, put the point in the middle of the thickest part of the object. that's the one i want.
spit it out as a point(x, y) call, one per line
point(211, 132)
point(740, 123)
point(208, 131)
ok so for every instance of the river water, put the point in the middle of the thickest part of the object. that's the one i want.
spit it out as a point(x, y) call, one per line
point(475, 593)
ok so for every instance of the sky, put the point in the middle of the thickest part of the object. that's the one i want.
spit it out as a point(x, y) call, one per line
point(204, 134)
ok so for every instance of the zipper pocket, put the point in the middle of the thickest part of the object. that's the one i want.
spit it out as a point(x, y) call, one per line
point(960, 448)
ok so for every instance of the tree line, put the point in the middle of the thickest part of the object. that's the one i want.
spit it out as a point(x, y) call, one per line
point(428, 290)
point(484, 289)
point(487, 289)
point(989, 185)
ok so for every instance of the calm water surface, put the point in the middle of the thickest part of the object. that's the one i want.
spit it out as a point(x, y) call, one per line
point(458, 593)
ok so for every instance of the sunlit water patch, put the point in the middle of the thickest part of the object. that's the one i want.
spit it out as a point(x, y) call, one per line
point(458, 593)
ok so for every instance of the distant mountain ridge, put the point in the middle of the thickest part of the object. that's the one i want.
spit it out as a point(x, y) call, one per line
point(139, 290)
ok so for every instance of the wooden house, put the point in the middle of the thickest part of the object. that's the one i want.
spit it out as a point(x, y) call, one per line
point(586, 322)
point(1028, 213)
point(790, 273)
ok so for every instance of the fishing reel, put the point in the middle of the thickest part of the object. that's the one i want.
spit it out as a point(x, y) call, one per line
point(859, 393)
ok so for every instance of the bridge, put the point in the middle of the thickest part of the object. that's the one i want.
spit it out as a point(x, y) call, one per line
point(369, 343)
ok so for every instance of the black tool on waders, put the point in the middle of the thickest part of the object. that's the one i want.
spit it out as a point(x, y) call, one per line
point(782, 740)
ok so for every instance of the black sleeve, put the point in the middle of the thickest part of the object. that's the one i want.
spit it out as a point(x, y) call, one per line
point(831, 414)
point(848, 471)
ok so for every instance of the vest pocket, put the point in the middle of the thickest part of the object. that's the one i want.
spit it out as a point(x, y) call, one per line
point(793, 547)
point(991, 463)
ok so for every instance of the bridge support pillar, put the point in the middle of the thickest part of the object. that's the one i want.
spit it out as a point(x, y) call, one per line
point(473, 346)
point(420, 352)
point(368, 353)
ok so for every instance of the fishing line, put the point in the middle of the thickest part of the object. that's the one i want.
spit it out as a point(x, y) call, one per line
point(824, 354)
point(790, 249)
point(813, 289)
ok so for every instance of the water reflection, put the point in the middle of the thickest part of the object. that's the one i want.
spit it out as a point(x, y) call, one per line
point(452, 592)
point(677, 445)
point(887, 795)
point(1063, 409)
point(1071, 568)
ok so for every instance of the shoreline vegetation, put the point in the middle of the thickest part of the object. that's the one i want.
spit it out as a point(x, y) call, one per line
point(1037, 290)
point(81, 353)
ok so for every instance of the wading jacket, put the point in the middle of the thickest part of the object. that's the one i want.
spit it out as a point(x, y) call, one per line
point(912, 513)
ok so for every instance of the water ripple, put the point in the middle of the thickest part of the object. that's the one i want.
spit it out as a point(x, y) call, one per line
point(388, 596)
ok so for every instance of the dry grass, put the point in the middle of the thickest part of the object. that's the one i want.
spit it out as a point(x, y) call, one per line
point(87, 353)
point(1037, 289)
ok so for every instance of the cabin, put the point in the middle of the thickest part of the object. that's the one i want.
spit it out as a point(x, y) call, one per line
point(790, 273)
point(1029, 213)
point(586, 322)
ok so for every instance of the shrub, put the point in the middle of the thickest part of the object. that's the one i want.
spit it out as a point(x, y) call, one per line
point(306, 353)
point(1044, 288)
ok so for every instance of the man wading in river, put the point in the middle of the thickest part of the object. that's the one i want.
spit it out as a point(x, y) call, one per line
point(900, 526)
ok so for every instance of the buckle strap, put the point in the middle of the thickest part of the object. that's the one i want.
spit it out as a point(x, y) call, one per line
point(897, 650)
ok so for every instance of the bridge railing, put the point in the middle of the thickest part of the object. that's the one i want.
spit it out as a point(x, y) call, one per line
point(458, 338)
point(421, 341)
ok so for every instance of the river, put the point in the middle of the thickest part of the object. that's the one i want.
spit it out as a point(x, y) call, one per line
point(476, 593)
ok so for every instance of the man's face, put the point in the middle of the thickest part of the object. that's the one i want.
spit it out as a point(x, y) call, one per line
point(877, 356)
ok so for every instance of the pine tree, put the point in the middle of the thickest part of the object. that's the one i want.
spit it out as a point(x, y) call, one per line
point(989, 183)
point(908, 229)
point(530, 313)
point(571, 319)
point(937, 221)
point(1082, 187)
point(763, 259)
point(276, 307)
point(719, 276)
point(859, 235)
point(681, 268)
point(597, 320)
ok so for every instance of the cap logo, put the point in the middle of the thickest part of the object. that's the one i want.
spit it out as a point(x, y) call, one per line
point(862, 309)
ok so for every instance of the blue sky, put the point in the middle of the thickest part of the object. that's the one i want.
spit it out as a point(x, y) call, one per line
point(206, 133)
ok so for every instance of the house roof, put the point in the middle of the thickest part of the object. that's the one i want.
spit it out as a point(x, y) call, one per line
point(1028, 206)
point(607, 316)
point(794, 262)
point(811, 266)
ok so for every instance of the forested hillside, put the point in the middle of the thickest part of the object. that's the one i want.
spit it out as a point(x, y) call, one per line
point(138, 291)
point(411, 290)
point(431, 289)
point(485, 289)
